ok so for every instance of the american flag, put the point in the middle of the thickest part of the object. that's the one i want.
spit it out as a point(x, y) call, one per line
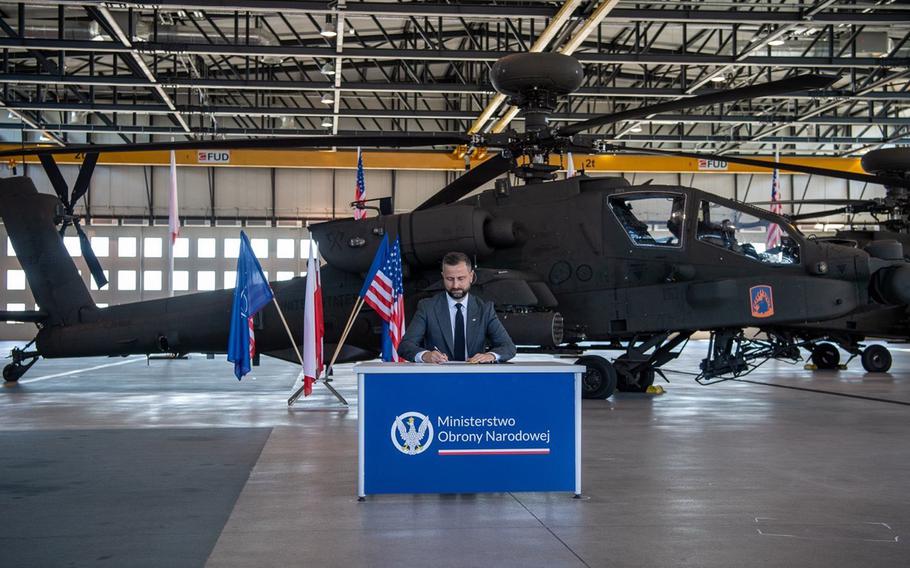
point(772, 238)
point(384, 292)
point(360, 193)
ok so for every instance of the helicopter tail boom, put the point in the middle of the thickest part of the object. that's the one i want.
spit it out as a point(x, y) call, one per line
point(29, 218)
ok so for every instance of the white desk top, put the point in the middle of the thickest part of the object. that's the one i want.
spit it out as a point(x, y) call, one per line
point(533, 367)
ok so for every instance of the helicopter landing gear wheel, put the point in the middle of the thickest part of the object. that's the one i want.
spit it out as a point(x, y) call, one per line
point(876, 359)
point(599, 379)
point(643, 380)
point(634, 381)
point(13, 372)
point(825, 356)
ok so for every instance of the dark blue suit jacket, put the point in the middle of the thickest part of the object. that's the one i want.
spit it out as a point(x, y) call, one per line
point(431, 327)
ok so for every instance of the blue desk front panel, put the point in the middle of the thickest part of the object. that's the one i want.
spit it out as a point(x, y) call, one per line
point(486, 433)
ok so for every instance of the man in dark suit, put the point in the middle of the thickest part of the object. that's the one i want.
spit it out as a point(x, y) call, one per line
point(456, 326)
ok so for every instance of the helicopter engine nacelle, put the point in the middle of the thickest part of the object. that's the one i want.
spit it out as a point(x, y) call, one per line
point(892, 285)
point(534, 328)
point(426, 236)
point(885, 249)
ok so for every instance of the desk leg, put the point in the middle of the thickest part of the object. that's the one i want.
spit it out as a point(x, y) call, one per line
point(361, 493)
point(577, 435)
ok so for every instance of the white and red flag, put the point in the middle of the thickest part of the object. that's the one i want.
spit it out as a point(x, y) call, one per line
point(313, 325)
point(173, 224)
point(173, 220)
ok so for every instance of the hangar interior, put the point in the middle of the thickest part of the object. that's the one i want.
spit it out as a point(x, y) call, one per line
point(172, 462)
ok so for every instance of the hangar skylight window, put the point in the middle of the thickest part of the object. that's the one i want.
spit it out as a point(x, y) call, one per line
point(15, 308)
point(151, 247)
point(285, 248)
point(260, 248)
point(72, 246)
point(94, 286)
point(101, 246)
point(151, 280)
point(182, 247)
point(205, 279)
point(126, 279)
point(230, 279)
point(285, 275)
point(205, 248)
point(305, 248)
point(126, 247)
point(181, 280)
point(15, 280)
point(231, 248)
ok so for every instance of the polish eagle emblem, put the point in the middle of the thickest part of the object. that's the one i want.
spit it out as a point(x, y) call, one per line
point(412, 433)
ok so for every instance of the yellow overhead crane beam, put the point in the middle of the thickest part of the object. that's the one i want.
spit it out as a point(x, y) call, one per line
point(413, 160)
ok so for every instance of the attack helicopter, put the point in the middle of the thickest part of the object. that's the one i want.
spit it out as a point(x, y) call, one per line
point(573, 264)
point(890, 239)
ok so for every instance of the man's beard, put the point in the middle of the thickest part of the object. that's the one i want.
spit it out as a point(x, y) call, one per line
point(457, 294)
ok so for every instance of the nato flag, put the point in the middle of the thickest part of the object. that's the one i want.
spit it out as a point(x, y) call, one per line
point(251, 294)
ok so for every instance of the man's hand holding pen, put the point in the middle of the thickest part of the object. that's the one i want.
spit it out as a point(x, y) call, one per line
point(435, 356)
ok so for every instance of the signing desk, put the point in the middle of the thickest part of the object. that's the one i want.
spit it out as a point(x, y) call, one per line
point(459, 428)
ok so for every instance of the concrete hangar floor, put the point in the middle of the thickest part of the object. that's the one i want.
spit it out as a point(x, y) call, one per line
point(116, 462)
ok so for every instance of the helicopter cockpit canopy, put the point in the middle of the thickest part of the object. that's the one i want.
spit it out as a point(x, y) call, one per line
point(651, 219)
point(745, 234)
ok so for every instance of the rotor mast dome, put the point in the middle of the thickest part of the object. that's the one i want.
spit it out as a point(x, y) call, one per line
point(534, 82)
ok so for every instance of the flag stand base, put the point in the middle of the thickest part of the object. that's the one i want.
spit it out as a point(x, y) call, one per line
point(299, 392)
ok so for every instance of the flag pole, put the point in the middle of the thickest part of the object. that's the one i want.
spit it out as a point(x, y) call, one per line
point(299, 391)
point(344, 335)
point(288, 329)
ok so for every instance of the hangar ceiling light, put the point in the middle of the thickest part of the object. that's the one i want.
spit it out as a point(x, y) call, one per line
point(328, 28)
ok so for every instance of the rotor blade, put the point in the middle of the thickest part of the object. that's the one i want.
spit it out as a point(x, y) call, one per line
point(803, 82)
point(56, 178)
point(85, 177)
point(491, 169)
point(816, 214)
point(839, 174)
point(372, 140)
point(90, 259)
point(812, 202)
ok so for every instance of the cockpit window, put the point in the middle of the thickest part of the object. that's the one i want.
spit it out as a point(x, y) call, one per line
point(651, 219)
point(745, 234)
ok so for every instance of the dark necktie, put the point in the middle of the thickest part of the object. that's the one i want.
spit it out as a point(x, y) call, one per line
point(459, 335)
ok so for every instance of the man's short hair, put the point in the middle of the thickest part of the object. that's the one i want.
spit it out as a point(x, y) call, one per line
point(456, 258)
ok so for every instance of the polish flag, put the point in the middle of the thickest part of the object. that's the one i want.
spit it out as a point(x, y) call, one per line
point(173, 224)
point(173, 221)
point(313, 327)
